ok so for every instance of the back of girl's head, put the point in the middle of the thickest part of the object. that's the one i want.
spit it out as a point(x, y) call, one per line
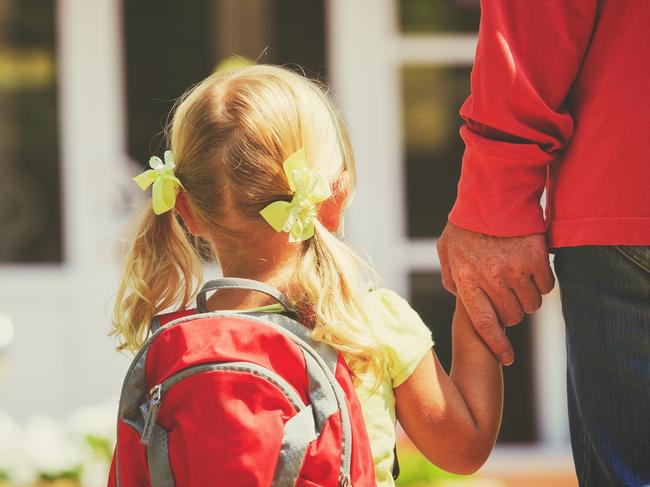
point(230, 135)
point(232, 132)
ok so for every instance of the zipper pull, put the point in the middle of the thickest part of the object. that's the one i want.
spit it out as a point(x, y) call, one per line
point(152, 413)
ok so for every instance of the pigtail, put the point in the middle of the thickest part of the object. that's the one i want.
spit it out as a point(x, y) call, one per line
point(162, 268)
point(333, 281)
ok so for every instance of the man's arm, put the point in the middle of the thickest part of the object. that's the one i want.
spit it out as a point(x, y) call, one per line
point(493, 252)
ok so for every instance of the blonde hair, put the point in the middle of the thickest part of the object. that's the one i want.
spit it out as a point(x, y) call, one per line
point(230, 135)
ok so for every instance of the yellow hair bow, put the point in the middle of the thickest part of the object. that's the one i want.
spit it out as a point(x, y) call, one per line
point(165, 183)
point(310, 187)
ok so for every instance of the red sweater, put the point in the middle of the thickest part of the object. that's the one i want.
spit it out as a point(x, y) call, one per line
point(560, 100)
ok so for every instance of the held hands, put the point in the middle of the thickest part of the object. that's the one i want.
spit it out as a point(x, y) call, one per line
point(497, 278)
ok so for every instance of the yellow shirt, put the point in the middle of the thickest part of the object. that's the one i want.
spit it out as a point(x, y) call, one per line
point(405, 340)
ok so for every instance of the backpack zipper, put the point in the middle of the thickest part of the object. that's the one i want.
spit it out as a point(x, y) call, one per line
point(158, 391)
point(152, 414)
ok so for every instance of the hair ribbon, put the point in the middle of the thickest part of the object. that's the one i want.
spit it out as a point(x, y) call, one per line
point(310, 188)
point(165, 183)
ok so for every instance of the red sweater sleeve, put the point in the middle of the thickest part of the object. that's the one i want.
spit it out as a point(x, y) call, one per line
point(516, 118)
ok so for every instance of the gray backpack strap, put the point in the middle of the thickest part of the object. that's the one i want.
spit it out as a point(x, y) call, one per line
point(160, 469)
point(240, 283)
point(155, 325)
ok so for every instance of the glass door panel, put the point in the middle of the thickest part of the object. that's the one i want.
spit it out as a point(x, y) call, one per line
point(30, 188)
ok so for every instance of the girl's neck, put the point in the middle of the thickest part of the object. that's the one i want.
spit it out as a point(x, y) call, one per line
point(263, 256)
point(277, 276)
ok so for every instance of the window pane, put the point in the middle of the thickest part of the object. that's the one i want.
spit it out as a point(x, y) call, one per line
point(439, 15)
point(436, 307)
point(431, 99)
point(30, 204)
point(160, 68)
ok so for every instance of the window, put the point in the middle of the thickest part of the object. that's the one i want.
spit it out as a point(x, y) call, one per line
point(426, 16)
point(30, 188)
point(431, 96)
point(159, 68)
point(436, 40)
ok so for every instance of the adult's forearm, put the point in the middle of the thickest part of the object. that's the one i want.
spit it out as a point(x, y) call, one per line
point(517, 116)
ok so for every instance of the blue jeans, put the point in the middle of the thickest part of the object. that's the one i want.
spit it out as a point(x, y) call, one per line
point(606, 305)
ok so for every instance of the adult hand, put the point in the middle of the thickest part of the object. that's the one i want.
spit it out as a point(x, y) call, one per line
point(498, 279)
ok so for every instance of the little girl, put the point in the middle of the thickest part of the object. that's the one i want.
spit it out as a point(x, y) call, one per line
point(261, 171)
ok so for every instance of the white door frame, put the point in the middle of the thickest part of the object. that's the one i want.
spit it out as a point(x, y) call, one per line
point(366, 51)
point(61, 355)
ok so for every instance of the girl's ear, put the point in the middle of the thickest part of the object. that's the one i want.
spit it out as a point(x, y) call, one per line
point(329, 212)
point(187, 214)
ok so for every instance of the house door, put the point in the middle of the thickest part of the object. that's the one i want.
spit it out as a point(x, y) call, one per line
point(61, 148)
point(400, 71)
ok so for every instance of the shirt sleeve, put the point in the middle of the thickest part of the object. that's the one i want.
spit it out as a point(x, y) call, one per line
point(517, 118)
point(403, 336)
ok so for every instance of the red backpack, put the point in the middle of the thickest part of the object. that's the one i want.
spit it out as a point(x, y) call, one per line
point(232, 398)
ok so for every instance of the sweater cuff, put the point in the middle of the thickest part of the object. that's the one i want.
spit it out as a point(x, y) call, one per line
point(500, 187)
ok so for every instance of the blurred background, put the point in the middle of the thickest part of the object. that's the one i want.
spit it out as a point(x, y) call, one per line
point(85, 88)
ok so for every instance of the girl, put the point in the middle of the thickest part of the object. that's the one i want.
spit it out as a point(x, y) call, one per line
point(261, 171)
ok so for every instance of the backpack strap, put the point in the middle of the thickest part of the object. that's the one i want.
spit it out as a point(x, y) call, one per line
point(395, 464)
point(225, 283)
point(248, 284)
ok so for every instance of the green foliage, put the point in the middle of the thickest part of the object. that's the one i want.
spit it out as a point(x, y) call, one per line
point(101, 446)
point(416, 470)
point(74, 474)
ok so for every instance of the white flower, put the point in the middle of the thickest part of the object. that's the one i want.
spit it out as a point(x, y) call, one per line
point(97, 421)
point(13, 462)
point(49, 448)
point(9, 438)
point(95, 427)
point(81, 445)
point(95, 473)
